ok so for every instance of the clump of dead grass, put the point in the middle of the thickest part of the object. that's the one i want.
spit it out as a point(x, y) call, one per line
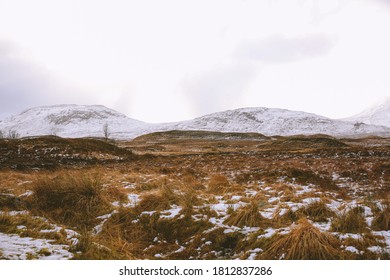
point(248, 215)
point(187, 201)
point(143, 235)
point(191, 182)
point(351, 221)
point(9, 201)
point(7, 223)
point(304, 242)
point(159, 200)
point(72, 199)
point(305, 177)
point(317, 211)
point(218, 184)
point(381, 219)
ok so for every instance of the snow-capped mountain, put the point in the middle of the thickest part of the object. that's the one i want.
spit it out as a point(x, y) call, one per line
point(88, 121)
point(377, 115)
point(270, 121)
point(72, 121)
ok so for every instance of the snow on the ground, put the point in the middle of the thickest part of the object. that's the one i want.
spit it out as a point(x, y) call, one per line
point(352, 249)
point(171, 213)
point(14, 247)
point(386, 235)
point(133, 200)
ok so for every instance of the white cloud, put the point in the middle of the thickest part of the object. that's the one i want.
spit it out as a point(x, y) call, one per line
point(24, 84)
point(281, 49)
point(219, 88)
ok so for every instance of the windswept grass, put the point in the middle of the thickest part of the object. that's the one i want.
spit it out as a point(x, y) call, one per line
point(306, 176)
point(318, 211)
point(382, 218)
point(304, 242)
point(218, 184)
point(8, 201)
point(72, 199)
point(351, 221)
point(246, 216)
point(159, 200)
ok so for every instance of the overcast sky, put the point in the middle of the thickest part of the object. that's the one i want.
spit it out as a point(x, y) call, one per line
point(172, 60)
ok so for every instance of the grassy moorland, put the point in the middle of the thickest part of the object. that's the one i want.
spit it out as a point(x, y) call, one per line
point(195, 195)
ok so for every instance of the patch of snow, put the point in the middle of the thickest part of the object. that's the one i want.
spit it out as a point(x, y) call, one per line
point(14, 247)
point(27, 193)
point(133, 199)
point(171, 213)
point(311, 200)
point(305, 189)
point(375, 249)
point(273, 199)
point(351, 249)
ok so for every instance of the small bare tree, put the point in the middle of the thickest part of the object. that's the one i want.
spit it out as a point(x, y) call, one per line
point(106, 131)
point(13, 134)
point(1, 134)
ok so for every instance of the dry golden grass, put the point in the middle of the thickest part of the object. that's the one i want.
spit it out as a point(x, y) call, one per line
point(130, 232)
point(187, 201)
point(74, 199)
point(92, 248)
point(159, 200)
point(184, 177)
point(317, 211)
point(7, 223)
point(218, 184)
point(381, 219)
point(246, 216)
point(351, 221)
point(304, 242)
point(11, 202)
point(191, 182)
point(364, 241)
point(15, 182)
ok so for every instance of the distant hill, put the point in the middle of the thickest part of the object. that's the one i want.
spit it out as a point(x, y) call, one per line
point(73, 121)
point(270, 121)
point(76, 121)
point(199, 135)
point(376, 115)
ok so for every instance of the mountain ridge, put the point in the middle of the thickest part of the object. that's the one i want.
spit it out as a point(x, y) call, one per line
point(77, 121)
point(378, 114)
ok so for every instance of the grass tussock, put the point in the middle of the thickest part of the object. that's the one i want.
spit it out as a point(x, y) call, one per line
point(6, 223)
point(8, 201)
point(381, 219)
point(187, 201)
point(136, 231)
point(72, 199)
point(306, 177)
point(191, 182)
point(317, 211)
point(159, 200)
point(351, 221)
point(248, 215)
point(304, 242)
point(89, 248)
point(218, 184)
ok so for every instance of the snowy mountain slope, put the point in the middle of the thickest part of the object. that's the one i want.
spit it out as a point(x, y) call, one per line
point(278, 122)
point(377, 115)
point(88, 121)
point(72, 121)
